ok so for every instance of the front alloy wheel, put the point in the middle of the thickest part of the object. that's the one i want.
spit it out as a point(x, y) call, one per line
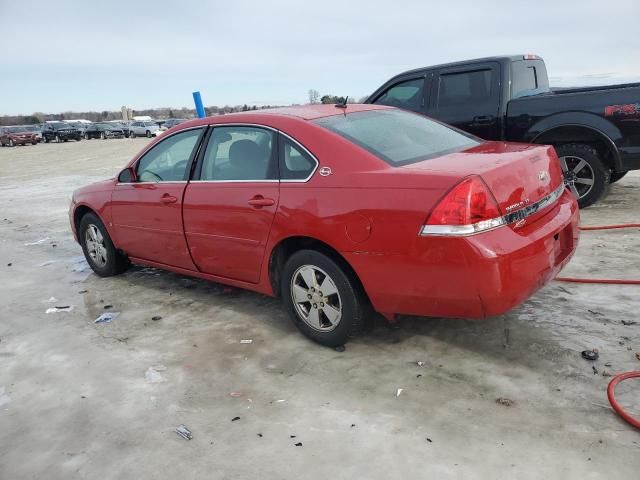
point(95, 245)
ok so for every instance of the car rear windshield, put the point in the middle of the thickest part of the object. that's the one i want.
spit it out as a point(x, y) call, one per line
point(398, 137)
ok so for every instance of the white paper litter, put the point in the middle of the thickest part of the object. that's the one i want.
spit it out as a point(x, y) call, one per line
point(37, 242)
point(59, 309)
point(153, 375)
point(246, 341)
point(107, 317)
point(400, 390)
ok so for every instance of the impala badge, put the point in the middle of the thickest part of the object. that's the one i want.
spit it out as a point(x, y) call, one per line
point(325, 171)
point(543, 175)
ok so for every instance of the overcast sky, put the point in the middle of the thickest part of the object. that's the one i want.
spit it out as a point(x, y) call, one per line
point(63, 55)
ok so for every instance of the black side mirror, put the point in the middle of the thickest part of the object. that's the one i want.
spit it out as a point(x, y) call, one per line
point(128, 175)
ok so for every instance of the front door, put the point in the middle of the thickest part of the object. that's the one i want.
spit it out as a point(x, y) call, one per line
point(468, 98)
point(147, 213)
point(229, 209)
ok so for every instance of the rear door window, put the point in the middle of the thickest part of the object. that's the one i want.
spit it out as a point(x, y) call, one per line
point(240, 153)
point(408, 95)
point(465, 88)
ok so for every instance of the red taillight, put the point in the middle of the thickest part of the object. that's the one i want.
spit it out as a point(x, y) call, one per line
point(468, 208)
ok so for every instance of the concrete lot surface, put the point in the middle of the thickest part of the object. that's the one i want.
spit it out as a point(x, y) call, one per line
point(78, 399)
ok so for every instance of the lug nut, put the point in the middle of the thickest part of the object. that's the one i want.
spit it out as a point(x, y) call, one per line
point(321, 304)
point(315, 305)
point(309, 296)
point(312, 289)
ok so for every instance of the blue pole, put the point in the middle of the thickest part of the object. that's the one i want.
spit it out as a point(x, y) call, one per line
point(197, 99)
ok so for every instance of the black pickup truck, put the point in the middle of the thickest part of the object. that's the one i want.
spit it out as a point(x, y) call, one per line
point(595, 131)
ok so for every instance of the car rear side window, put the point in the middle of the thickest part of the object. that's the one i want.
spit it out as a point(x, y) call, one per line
point(524, 78)
point(466, 88)
point(398, 137)
point(167, 161)
point(407, 95)
point(295, 162)
point(239, 153)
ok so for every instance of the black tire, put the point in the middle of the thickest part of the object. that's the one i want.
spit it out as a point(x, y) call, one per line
point(58, 139)
point(352, 302)
point(103, 136)
point(615, 176)
point(34, 143)
point(86, 136)
point(115, 263)
point(148, 134)
point(11, 144)
point(599, 172)
point(45, 139)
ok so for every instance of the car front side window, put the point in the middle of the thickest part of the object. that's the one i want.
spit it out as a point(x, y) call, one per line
point(407, 95)
point(167, 161)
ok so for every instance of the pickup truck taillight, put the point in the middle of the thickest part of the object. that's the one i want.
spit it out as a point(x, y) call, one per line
point(468, 208)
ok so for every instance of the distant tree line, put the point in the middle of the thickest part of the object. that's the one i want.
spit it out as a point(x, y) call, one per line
point(158, 113)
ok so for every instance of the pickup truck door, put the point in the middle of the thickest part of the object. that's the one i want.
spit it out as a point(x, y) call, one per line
point(468, 97)
point(409, 93)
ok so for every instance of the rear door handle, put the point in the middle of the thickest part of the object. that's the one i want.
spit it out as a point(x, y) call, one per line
point(483, 120)
point(259, 201)
point(166, 198)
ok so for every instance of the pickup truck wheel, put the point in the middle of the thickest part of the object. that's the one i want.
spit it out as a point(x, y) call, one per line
point(324, 303)
point(615, 176)
point(98, 249)
point(583, 168)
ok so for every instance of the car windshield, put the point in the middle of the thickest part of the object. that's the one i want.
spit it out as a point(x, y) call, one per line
point(61, 125)
point(150, 124)
point(17, 129)
point(398, 137)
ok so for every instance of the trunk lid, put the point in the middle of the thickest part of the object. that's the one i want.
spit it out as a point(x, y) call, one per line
point(518, 175)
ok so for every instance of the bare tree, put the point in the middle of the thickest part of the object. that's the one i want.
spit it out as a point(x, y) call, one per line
point(314, 96)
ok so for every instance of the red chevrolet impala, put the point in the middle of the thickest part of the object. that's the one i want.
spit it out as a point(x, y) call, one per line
point(338, 210)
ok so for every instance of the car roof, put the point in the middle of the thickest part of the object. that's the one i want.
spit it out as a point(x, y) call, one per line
point(301, 112)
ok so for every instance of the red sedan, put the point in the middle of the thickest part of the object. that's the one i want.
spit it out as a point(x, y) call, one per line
point(338, 211)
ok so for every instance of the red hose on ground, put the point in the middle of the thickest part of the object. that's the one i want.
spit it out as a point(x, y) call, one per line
point(612, 227)
point(602, 280)
point(612, 398)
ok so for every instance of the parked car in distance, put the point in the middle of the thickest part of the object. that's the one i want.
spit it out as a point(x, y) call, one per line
point(12, 136)
point(59, 132)
point(103, 131)
point(595, 130)
point(337, 211)
point(35, 129)
point(124, 126)
point(171, 122)
point(144, 129)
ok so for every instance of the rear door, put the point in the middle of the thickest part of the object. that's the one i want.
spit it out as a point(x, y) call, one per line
point(468, 98)
point(147, 213)
point(230, 205)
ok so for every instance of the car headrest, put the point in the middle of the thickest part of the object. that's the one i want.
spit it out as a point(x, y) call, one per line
point(247, 154)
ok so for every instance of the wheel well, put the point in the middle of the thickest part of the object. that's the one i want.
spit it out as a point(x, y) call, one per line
point(605, 147)
point(287, 247)
point(80, 212)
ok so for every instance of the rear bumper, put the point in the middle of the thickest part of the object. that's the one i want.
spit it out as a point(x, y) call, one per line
point(472, 277)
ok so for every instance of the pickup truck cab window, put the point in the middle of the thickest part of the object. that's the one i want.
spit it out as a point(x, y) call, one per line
point(408, 94)
point(468, 98)
point(239, 153)
point(167, 161)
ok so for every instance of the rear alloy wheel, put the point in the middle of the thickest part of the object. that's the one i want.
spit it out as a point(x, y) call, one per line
point(323, 301)
point(615, 176)
point(99, 251)
point(584, 172)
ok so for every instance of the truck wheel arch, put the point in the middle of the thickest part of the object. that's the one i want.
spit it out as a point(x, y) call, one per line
point(591, 130)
